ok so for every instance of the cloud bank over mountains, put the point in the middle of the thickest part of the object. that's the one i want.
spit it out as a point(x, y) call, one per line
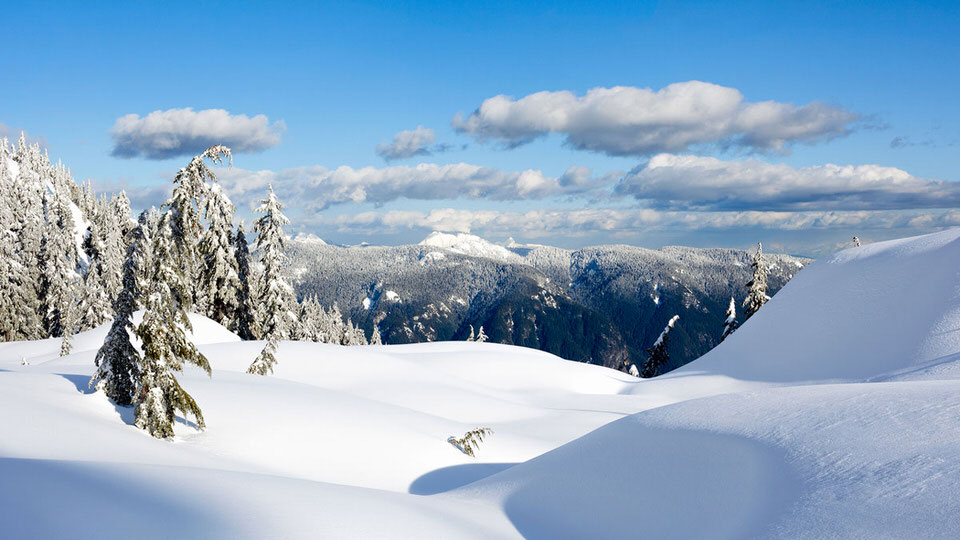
point(666, 181)
point(317, 187)
point(707, 183)
point(185, 132)
point(630, 121)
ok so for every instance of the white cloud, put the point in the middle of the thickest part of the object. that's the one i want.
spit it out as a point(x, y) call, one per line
point(625, 120)
point(316, 187)
point(185, 132)
point(618, 221)
point(694, 182)
point(409, 143)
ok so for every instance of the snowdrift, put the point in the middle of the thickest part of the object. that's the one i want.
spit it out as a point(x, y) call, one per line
point(831, 413)
point(867, 312)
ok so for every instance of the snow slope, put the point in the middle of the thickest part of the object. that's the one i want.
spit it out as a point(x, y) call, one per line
point(833, 412)
point(468, 244)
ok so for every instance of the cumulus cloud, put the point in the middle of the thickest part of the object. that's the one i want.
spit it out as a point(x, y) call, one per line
point(625, 120)
point(695, 182)
point(409, 143)
point(185, 132)
point(316, 187)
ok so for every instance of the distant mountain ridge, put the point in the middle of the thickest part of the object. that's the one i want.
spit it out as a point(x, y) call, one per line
point(602, 305)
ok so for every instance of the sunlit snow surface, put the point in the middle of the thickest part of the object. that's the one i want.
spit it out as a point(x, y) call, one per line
point(834, 412)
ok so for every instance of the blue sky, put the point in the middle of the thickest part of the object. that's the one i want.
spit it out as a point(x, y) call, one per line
point(341, 79)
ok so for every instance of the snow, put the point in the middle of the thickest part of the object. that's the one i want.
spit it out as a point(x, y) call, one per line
point(309, 238)
point(366, 302)
point(468, 244)
point(832, 412)
point(80, 225)
point(392, 296)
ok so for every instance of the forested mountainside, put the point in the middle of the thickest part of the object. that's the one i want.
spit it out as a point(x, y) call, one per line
point(602, 305)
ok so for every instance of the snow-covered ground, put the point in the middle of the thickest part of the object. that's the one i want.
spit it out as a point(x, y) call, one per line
point(834, 412)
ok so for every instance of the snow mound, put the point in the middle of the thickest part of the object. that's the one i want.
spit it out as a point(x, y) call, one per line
point(468, 244)
point(863, 313)
point(205, 331)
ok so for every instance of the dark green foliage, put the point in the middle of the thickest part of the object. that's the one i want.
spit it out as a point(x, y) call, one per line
point(657, 356)
point(118, 361)
point(244, 322)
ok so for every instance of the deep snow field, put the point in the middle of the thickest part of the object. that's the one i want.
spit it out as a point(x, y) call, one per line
point(834, 412)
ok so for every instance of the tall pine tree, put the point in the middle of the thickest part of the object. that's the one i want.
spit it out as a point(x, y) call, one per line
point(186, 201)
point(276, 295)
point(219, 279)
point(244, 321)
point(118, 361)
point(163, 332)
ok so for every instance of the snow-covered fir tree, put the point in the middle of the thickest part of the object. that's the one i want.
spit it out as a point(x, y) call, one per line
point(472, 336)
point(219, 279)
point(163, 334)
point(243, 322)
point(59, 260)
point(104, 247)
point(730, 324)
point(375, 338)
point(118, 361)
point(22, 223)
point(120, 208)
point(69, 322)
point(186, 202)
point(481, 337)
point(757, 287)
point(657, 356)
point(276, 295)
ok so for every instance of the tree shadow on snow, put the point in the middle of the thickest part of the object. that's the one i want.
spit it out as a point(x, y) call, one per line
point(447, 478)
point(82, 382)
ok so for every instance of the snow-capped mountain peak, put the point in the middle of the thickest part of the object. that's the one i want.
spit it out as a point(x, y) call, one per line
point(468, 244)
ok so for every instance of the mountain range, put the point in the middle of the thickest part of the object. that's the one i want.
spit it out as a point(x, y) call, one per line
point(602, 305)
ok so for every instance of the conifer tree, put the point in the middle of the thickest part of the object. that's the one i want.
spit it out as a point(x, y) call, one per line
point(69, 326)
point(26, 224)
point(472, 336)
point(163, 331)
point(657, 354)
point(359, 337)
point(59, 260)
point(730, 324)
point(375, 338)
point(757, 287)
point(481, 337)
point(275, 293)
point(118, 361)
point(120, 207)
point(163, 334)
point(102, 281)
point(219, 281)
point(243, 322)
point(186, 201)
